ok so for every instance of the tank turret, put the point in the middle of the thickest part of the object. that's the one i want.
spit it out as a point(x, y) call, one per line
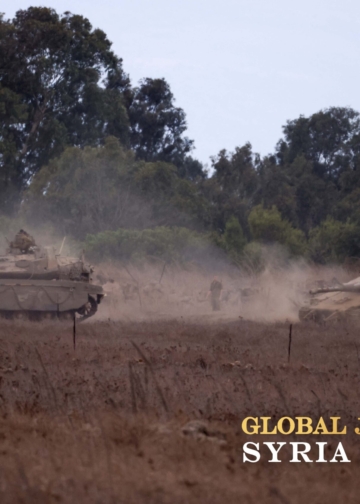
point(338, 301)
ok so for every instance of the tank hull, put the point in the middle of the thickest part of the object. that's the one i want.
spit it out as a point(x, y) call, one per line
point(49, 297)
point(336, 304)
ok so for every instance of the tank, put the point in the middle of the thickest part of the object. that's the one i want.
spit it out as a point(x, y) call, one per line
point(337, 302)
point(39, 283)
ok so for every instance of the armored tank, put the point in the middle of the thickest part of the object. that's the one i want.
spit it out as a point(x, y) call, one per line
point(38, 283)
point(339, 301)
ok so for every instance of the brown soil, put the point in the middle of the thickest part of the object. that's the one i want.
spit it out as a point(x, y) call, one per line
point(151, 412)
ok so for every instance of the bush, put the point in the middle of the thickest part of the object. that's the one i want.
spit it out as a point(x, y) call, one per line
point(175, 243)
point(233, 238)
point(334, 241)
point(267, 226)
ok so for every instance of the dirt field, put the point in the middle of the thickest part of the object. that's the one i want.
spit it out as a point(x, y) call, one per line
point(151, 411)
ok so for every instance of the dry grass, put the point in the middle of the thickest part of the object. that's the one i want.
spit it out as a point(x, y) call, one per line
point(104, 423)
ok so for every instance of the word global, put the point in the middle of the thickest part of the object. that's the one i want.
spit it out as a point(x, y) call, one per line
point(299, 451)
point(297, 425)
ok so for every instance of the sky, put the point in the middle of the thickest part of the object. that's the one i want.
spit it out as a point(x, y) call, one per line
point(239, 68)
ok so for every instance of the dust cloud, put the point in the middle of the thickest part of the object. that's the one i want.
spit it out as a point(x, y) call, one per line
point(156, 290)
point(161, 291)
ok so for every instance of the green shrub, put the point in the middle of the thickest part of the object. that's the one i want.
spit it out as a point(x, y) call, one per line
point(233, 237)
point(267, 226)
point(167, 243)
point(334, 241)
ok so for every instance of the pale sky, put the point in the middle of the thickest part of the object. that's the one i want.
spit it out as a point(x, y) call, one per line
point(238, 68)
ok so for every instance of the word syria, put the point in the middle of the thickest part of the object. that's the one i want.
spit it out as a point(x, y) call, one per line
point(251, 452)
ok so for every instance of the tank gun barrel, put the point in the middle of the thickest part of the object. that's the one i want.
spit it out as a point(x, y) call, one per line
point(62, 245)
point(340, 288)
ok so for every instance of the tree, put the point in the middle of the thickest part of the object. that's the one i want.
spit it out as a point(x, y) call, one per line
point(191, 169)
point(88, 191)
point(236, 173)
point(60, 85)
point(334, 241)
point(348, 208)
point(233, 237)
point(103, 188)
point(232, 189)
point(156, 125)
point(12, 113)
point(330, 139)
point(314, 197)
point(276, 187)
point(268, 226)
point(174, 200)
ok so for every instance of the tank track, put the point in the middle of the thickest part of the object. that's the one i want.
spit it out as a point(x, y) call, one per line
point(84, 312)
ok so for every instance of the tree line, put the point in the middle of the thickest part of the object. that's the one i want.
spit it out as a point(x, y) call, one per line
point(110, 164)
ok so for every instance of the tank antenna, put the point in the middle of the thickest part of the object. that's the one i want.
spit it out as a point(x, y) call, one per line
point(62, 245)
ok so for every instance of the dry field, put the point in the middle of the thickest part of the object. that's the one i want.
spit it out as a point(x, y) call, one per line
point(150, 412)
